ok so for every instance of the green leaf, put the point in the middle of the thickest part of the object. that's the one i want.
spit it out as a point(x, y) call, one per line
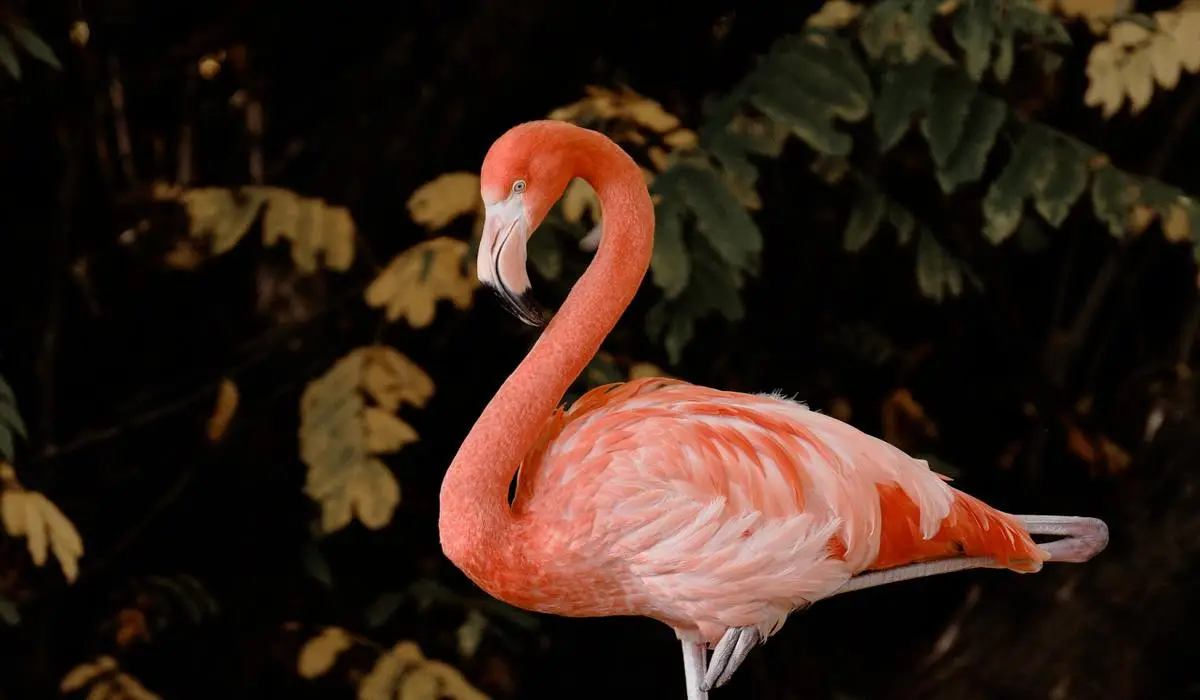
point(382, 609)
point(969, 158)
point(545, 254)
point(33, 44)
point(1040, 26)
point(1030, 237)
point(865, 218)
point(679, 334)
point(8, 57)
point(973, 31)
point(316, 565)
point(823, 68)
point(803, 117)
point(10, 415)
point(670, 265)
point(1004, 203)
point(938, 274)
point(1003, 65)
point(943, 124)
point(875, 31)
point(905, 89)
point(902, 220)
point(600, 371)
point(1114, 193)
point(1158, 195)
point(720, 217)
point(9, 611)
point(1059, 181)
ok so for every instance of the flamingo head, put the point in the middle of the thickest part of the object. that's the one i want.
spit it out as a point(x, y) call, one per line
point(523, 175)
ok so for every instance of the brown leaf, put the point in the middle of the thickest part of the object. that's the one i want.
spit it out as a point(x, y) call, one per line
point(227, 401)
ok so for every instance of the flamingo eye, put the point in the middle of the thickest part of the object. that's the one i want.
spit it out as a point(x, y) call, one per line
point(518, 187)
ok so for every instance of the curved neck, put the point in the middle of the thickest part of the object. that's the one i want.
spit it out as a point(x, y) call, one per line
point(476, 525)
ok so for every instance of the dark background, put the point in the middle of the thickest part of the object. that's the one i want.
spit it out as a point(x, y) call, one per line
point(116, 359)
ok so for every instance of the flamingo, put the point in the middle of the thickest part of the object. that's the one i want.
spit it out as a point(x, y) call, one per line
point(715, 512)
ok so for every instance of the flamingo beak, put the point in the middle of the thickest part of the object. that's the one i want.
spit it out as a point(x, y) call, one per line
point(501, 260)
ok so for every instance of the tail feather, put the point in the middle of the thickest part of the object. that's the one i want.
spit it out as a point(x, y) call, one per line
point(983, 531)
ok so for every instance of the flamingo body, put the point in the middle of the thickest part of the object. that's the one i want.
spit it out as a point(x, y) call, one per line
point(710, 509)
point(715, 512)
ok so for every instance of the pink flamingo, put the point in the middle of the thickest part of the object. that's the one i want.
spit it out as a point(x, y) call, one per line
point(716, 512)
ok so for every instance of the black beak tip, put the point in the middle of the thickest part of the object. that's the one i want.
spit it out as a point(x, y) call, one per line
point(523, 306)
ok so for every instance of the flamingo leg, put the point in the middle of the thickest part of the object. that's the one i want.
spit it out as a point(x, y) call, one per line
point(730, 652)
point(1082, 539)
point(694, 663)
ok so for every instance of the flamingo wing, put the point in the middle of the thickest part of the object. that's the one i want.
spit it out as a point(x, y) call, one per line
point(723, 509)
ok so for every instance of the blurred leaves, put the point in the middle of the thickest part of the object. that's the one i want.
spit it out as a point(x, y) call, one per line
point(104, 680)
point(418, 278)
point(342, 435)
point(14, 35)
point(1134, 58)
point(400, 673)
point(46, 530)
point(320, 234)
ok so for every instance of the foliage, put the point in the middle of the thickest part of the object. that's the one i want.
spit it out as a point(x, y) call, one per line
point(418, 278)
point(17, 34)
point(401, 672)
point(1134, 58)
point(103, 678)
point(342, 436)
point(881, 99)
point(29, 514)
point(220, 217)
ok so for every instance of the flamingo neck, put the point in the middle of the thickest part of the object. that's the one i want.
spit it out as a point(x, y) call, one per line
point(478, 530)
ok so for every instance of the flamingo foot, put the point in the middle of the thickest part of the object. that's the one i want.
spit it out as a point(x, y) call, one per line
point(694, 662)
point(730, 652)
point(1082, 538)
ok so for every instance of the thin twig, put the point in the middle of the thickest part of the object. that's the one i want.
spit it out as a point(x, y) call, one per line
point(116, 95)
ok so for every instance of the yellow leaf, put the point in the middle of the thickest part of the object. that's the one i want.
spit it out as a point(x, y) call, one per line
point(834, 14)
point(1176, 227)
point(12, 510)
point(65, 542)
point(682, 139)
point(1138, 75)
point(442, 200)
point(374, 494)
point(418, 278)
point(106, 680)
point(1140, 218)
point(392, 379)
point(403, 673)
point(83, 674)
point(227, 401)
point(319, 654)
point(1134, 58)
point(385, 432)
point(658, 158)
point(220, 217)
point(317, 230)
point(648, 113)
point(578, 199)
point(470, 633)
point(1164, 60)
point(1090, 9)
point(641, 370)
point(45, 528)
point(340, 435)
